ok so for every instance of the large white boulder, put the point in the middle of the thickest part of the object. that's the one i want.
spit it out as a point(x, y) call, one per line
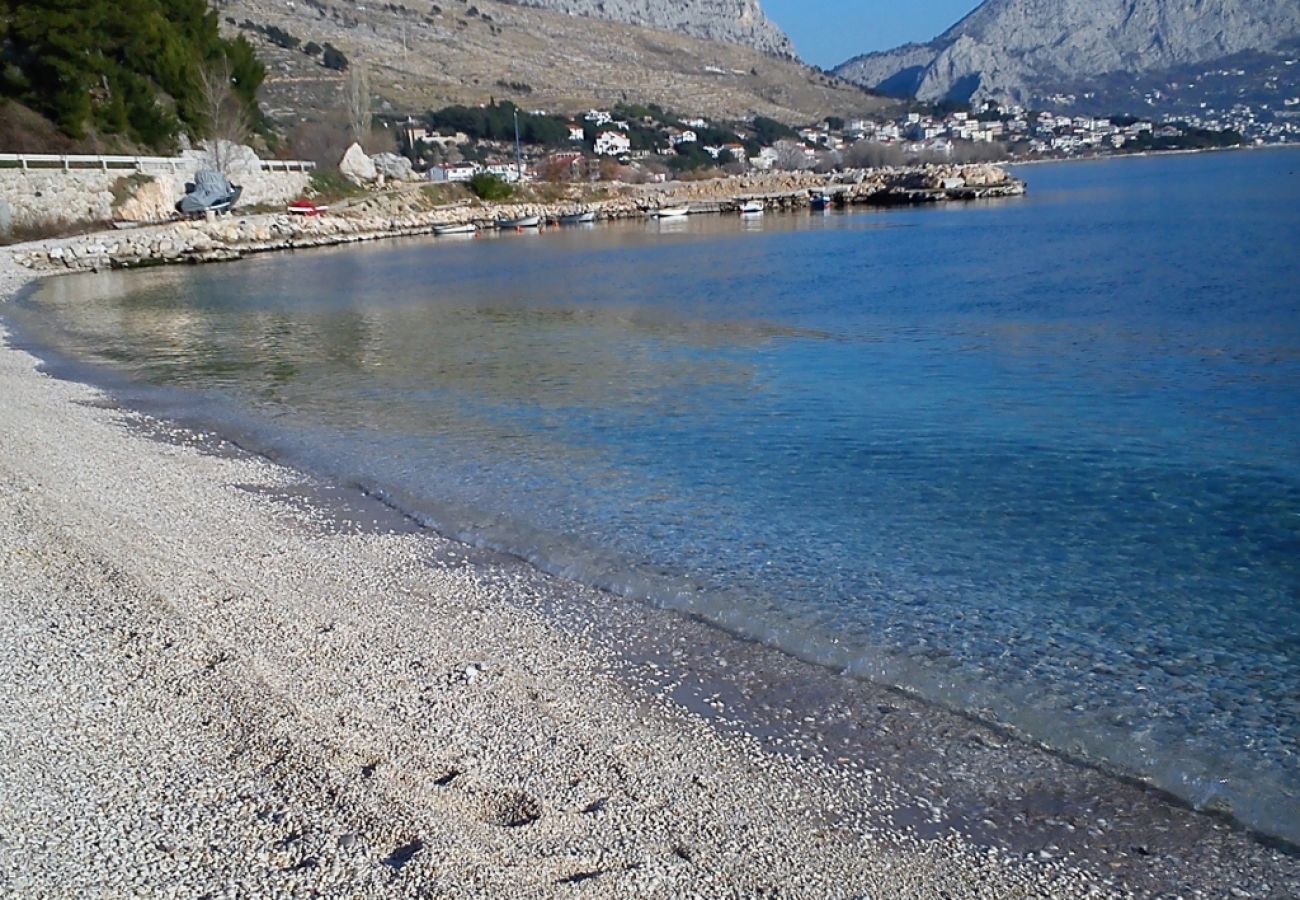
point(227, 157)
point(392, 166)
point(357, 167)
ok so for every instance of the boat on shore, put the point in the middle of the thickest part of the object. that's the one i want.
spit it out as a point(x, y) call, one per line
point(582, 218)
point(210, 192)
point(521, 222)
point(672, 212)
point(307, 208)
point(462, 228)
point(752, 208)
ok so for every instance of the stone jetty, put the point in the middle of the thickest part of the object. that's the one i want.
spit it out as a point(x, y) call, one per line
point(405, 212)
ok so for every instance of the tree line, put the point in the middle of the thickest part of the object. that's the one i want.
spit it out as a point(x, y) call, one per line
point(134, 68)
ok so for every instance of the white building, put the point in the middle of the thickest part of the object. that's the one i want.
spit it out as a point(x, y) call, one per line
point(462, 171)
point(504, 171)
point(613, 143)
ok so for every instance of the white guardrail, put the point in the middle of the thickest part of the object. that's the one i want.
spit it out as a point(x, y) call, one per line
point(155, 164)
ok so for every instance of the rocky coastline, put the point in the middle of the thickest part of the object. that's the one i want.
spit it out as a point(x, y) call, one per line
point(405, 212)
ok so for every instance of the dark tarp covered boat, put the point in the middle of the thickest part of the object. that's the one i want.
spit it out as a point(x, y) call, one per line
point(210, 191)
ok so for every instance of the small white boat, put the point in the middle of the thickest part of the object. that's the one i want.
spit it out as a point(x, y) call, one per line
point(464, 228)
point(521, 222)
point(582, 218)
point(672, 212)
point(751, 208)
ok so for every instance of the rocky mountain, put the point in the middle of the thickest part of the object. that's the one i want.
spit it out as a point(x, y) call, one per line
point(1021, 50)
point(423, 55)
point(730, 21)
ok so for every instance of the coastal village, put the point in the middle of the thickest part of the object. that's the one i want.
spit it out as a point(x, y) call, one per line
point(651, 146)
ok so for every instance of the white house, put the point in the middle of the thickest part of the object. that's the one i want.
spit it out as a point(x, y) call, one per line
point(613, 143)
point(506, 171)
point(678, 136)
point(575, 131)
point(462, 171)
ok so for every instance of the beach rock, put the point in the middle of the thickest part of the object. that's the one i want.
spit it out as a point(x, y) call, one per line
point(356, 167)
point(152, 201)
point(392, 166)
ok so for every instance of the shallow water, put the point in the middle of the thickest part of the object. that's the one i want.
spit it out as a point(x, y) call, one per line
point(1034, 459)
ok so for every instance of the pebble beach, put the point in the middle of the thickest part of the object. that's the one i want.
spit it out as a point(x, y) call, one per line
point(215, 684)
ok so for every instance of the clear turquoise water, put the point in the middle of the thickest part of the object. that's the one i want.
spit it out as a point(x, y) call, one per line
point(1038, 459)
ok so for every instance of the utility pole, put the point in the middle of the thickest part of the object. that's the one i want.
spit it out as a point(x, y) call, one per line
point(519, 155)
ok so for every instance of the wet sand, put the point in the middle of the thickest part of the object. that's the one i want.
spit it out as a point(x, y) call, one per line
point(223, 676)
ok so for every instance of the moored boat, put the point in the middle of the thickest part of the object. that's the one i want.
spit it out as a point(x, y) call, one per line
point(462, 228)
point(751, 208)
point(581, 218)
point(672, 212)
point(819, 202)
point(521, 222)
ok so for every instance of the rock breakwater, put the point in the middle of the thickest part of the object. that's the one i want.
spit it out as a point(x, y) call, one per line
point(401, 214)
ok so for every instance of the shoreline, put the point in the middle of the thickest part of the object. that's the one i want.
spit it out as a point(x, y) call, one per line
point(1142, 154)
point(687, 695)
point(401, 214)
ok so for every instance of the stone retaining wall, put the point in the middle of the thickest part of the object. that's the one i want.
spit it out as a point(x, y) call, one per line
point(39, 197)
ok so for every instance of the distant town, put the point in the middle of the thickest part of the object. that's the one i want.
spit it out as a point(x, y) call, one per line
point(645, 143)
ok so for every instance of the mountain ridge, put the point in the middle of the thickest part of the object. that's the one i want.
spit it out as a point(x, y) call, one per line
point(1017, 50)
point(728, 21)
point(423, 55)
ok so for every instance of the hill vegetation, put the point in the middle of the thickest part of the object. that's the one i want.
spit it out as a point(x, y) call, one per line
point(141, 70)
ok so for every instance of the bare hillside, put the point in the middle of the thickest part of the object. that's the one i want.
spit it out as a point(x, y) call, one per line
point(425, 55)
point(1023, 50)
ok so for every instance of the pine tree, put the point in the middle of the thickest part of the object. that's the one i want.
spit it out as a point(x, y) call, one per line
point(122, 67)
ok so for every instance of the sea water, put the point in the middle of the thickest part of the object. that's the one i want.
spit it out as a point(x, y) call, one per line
point(1035, 459)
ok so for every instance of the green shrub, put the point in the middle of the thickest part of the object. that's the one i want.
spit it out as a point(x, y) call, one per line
point(330, 185)
point(490, 187)
point(120, 67)
point(334, 58)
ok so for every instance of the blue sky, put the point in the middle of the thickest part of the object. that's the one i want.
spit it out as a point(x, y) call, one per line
point(827, 32)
